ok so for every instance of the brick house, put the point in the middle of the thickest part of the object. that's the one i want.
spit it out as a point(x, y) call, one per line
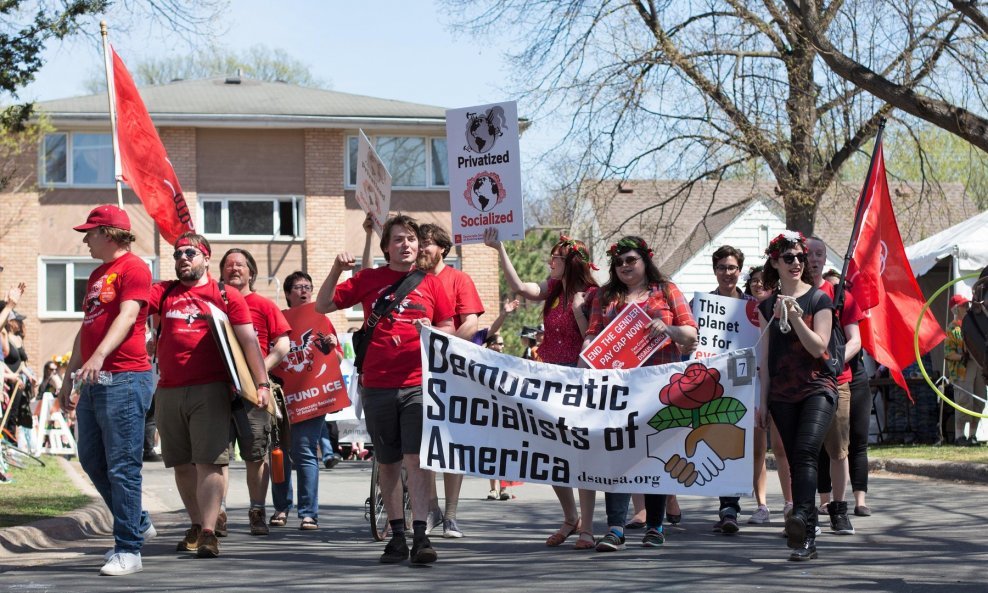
point(268, 167)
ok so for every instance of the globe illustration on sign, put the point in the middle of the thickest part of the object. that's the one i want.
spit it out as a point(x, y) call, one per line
point(486, 190)
point(483, 129)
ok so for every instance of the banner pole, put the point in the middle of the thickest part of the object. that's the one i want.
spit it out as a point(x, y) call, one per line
point(107, 66)
point(858, 215)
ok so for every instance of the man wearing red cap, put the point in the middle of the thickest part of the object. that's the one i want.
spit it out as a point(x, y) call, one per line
point(192, 404)
point(111, 364)
point(964, 373)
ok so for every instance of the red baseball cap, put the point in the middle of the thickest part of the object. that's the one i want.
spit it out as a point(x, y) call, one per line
point(957, 300)
point(106, 215)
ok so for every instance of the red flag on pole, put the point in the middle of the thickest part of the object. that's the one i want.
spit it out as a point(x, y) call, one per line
point(882, 281)
point(144, 162)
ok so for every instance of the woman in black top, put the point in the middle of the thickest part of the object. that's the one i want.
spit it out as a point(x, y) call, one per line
point(795, 386)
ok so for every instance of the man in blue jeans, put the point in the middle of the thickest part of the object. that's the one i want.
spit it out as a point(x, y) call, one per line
point(111, 365)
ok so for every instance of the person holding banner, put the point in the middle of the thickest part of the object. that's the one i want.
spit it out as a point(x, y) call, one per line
point(194, 391)
point(567, 294)
point(251, 426)
point(634, 278)
point(112, 367)
point(434, 246)
point(391, 369)
point(796, 388)
point(313, 348)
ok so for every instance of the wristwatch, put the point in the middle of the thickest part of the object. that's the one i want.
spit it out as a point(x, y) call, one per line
point(265, 385)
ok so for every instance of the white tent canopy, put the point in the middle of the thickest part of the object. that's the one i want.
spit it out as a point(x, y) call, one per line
point(966, 242)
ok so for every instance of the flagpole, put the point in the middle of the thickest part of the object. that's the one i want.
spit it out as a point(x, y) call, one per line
point(858, 215)
point(117, 169)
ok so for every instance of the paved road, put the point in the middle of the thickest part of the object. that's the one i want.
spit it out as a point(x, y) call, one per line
point(926, 536)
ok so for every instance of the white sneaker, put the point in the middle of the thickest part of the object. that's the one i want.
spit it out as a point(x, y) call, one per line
point(146, 534)
point(760, 516)
point(434, 518)
point(122, 563)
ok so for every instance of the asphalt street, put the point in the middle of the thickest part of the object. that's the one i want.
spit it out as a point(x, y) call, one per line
point(925, 536)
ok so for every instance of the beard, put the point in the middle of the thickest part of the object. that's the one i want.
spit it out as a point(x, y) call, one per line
point(193, 274)
point(427, 262)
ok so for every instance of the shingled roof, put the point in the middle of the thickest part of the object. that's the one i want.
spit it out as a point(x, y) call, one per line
point(239, 99)
point(678, 220)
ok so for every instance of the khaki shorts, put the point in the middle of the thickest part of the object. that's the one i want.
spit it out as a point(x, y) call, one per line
point(251, 428)
point(194, 423)
point(839, 435)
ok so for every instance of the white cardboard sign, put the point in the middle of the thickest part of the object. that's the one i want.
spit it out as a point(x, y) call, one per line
point(373, 191)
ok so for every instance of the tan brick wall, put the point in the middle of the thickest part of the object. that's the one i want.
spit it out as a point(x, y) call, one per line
point(481, 263)
point(20, 244)
point(180, 143)
point(325, 207)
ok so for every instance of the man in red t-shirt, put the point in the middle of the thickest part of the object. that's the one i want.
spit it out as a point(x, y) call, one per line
point(111, 364)
point(193, 396)
point(391, 377)
point(251, 426)
point(434, 246)
point(835, 444)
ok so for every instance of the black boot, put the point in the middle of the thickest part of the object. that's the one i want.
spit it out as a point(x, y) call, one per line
point(839, 523)
point(808, 550)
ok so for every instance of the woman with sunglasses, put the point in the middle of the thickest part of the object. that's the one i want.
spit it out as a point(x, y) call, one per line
point(795, 387)
point(634, 278)
point(567, 294)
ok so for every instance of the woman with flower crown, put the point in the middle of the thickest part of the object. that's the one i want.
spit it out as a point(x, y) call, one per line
point(795, 386)
point(567, 293)
point(634, 278)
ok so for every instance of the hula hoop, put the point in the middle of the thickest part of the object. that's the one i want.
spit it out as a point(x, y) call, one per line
point(922, 369)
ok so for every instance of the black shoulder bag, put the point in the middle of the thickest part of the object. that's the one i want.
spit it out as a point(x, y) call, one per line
point(382, 306)
point(833, 358)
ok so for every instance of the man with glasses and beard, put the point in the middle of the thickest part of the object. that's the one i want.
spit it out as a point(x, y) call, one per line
point(194, 391)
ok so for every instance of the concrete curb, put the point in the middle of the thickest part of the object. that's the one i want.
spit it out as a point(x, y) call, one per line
point(937, 470)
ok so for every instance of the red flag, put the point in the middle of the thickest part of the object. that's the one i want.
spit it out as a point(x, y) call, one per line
point(144, 162)
point(882, 281)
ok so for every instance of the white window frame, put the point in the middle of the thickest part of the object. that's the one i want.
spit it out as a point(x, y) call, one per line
point(275, 199)
point(69, 164)
point(429, 174)
point(70, 263)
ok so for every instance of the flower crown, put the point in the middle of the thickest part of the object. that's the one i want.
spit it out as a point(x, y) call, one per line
point(627, 244)
point(580, 250)
point(752, 270)
point(775, 246)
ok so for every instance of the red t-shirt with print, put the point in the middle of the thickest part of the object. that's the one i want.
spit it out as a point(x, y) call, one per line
point(460, 288)
point(126, 278)
point(269, 321)
point(187, 354)
point(851, 313)
point(393, 358)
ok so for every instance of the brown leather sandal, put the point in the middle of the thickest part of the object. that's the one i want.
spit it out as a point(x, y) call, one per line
point(585, 544)
point(569, 528)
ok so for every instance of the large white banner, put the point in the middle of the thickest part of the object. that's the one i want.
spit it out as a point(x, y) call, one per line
point(725, 324)
point(484, 172)
point(373, 190)
point(681, 428)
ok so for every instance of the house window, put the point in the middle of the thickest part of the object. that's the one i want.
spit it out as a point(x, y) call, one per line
point(77, 158)
point(252, 217)
point(413, 161)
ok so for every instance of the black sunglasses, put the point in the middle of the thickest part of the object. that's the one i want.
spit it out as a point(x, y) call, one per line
point(625, 261)
point(188, 252)
point(791, 257)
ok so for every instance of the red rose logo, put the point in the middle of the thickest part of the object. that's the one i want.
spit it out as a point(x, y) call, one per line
point(693, 388)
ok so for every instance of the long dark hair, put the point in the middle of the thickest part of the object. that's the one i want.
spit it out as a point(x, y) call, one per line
point(779, 245)
point(576, 272)
point(615, 290)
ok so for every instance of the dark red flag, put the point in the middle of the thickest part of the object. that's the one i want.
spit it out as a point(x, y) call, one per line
point(144, 162)
point(882, 281)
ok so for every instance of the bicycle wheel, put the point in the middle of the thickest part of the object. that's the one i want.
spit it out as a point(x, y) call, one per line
point(21, 459)
point(377, 515)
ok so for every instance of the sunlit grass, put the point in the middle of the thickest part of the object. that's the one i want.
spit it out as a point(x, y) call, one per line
point(38, 493)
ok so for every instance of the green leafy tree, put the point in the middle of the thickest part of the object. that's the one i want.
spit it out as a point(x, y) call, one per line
point(530, 258)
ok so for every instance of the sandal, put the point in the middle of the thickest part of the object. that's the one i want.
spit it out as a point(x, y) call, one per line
point(674, 519)
point(585, 544)
point(308, 524)
point(278, 519)
point(557, 539)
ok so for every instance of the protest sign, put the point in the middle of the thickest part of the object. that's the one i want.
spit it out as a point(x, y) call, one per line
point(484, 172)
point(625, 343)
point(680, 428)
point(233, 357)
point(373, 190)
point(724, 323)
point(310, 372)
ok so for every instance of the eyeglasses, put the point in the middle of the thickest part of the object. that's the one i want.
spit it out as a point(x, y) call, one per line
point(626, 261)
point(730, 269)
point(791, 257)
point(755, 282)
point(188, 252)
point(302, 288)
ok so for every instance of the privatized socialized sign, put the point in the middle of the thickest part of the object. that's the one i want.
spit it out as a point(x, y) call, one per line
point(484, 172)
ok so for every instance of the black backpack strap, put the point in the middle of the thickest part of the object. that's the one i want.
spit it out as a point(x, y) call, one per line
point(382, 307)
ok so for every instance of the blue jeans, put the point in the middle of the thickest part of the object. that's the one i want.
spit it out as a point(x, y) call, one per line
point(305, 459)
point(616, 507)
point(110, 419)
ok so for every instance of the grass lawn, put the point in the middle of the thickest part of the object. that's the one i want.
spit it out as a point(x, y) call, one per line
point(930, 452)
point(38, 493)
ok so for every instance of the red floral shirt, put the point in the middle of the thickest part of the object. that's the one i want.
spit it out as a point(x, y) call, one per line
point(563, 339)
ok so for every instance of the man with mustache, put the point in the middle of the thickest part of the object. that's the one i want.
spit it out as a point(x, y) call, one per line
point(194, 391)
